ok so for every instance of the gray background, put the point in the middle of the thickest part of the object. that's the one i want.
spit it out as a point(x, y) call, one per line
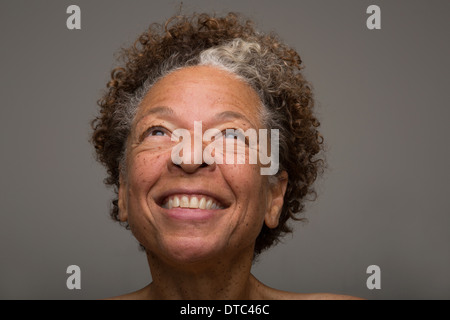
point(382, 98)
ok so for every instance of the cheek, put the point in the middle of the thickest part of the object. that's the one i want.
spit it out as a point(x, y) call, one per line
point(248, 186)
point(245, 178)
point(144, 168)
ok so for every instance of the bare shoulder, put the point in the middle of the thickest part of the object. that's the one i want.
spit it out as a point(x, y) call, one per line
point(137, 295)
point(331, 296)
point(128, 296)
point(267, 293)
point(285, 295)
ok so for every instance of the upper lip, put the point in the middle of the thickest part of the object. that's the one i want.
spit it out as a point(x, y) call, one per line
point(160, 198)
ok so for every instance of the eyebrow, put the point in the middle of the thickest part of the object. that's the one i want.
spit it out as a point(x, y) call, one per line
point(225, 115)
point(164, 110)
point(167, 111)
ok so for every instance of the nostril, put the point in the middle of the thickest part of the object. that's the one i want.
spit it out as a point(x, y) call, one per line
point(191, 168)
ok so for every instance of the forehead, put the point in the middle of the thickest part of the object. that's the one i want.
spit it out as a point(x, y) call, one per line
point(198, 93)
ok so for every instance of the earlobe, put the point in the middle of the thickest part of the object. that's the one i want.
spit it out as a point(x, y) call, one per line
point(278, 191)
point(272, 218)
point(122, 201)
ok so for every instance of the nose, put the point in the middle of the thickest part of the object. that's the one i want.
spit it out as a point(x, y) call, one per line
point(191, 168)
point(189, 158)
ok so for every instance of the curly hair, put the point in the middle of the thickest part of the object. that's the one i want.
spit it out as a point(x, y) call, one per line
point(270, 67)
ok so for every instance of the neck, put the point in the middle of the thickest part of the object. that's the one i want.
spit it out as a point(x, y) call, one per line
point(224, 279)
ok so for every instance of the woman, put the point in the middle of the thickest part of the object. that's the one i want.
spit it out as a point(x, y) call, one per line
point(202, 223)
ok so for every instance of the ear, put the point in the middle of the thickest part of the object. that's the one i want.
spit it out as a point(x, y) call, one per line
point(277, 192)
point(122, 201)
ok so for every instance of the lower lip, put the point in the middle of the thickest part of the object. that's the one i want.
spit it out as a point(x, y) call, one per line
point(187, 214)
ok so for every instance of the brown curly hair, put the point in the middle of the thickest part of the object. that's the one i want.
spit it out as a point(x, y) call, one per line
point(284, 92)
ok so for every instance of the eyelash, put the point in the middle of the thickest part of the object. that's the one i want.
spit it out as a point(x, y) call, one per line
point(237, 136)
point(151, 130)
point(224, 132)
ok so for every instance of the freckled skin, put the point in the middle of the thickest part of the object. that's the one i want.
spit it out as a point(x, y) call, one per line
point(195, 96)
point(208, 259)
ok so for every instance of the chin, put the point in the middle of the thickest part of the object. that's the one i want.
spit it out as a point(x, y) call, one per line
point(192, 250)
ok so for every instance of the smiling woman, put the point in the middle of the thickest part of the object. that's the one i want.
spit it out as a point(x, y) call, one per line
point(202, 223)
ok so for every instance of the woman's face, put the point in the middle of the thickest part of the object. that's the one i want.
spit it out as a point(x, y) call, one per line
point(192, 212)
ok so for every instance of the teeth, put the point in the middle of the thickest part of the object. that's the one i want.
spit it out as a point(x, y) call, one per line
point(176, 202)
point(202, 203)
point(191, 202)
point(184, 202)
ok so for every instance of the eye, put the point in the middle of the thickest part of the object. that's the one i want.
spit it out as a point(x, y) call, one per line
point(156, 131)
point(235, 134)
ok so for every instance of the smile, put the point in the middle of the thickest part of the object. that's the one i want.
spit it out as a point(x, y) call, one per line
point(192, 202)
